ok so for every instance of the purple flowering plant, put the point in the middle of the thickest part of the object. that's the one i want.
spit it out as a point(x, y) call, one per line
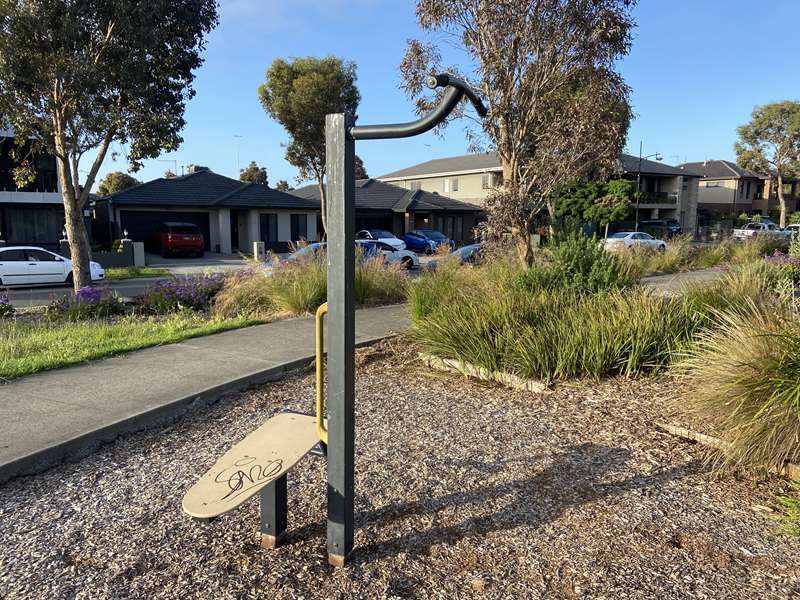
point(787, 264)
point(6, 308)
point(193, 292)
point(88, 302)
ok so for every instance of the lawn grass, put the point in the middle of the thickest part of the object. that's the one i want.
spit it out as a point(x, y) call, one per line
point(117, 273)
point(30, 347)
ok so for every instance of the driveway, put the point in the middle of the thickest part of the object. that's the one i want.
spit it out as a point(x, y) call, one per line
point(211, 262)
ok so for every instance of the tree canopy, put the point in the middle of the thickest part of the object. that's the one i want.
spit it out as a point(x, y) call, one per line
point(254, 174)
point(770, 144)
point(298, 94)
point(283, 186)
point(79, 75)
point(558, 109)
point(116, 181)
point(360, 169)
point(596, 202)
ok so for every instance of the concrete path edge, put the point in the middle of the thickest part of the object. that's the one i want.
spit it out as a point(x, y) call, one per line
point(83, 445)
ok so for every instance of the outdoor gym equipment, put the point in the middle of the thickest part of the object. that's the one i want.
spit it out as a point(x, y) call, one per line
point(261, 461)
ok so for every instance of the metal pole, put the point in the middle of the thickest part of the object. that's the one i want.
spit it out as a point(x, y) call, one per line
point(340, 153)
point(638, 186)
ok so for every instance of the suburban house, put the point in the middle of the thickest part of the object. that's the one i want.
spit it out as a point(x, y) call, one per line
point(769, 200)
point(727, 189)
point(231, 214)
point(668, 192)
point(34, 214)
point(381, 205)
point(469, 178)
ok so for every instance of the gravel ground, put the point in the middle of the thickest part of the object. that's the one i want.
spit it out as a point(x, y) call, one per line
point(464, 490)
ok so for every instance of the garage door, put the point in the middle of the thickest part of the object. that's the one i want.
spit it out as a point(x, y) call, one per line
point(142, 225)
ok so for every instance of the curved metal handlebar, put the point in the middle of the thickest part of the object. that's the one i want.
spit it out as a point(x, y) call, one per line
point(456, 90)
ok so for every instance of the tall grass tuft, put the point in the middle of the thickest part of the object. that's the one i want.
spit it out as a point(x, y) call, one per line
point(745, 377)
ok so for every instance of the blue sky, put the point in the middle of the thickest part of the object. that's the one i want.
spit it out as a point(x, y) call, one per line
point(697, 68)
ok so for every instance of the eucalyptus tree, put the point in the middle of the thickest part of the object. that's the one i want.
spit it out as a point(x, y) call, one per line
point(770, 144)
point(77, 76)
point(558, 108)
point(298, 95)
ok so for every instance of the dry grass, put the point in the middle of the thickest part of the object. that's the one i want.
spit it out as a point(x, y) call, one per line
point(744, 376)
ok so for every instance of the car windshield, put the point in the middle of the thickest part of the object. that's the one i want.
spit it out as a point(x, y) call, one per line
point(433, 234)
point(468, 250)
point(618, 236)
point(380, 233)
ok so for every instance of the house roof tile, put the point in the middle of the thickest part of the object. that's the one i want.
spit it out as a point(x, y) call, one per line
point(207, 189)
point(490, 162)
point(372, 194)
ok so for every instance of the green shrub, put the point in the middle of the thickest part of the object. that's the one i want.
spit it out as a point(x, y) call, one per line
point(578, 263)
point(745, 376)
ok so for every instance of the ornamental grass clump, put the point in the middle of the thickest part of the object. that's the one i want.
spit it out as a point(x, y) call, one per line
point(744, 376)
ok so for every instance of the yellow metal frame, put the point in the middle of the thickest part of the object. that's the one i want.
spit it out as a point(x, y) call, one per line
point(321, 430)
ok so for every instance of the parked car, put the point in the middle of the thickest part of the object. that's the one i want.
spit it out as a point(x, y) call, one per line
point(760, 228)
point(470, 254)
point(381, 235)
point(629, 239)
point(175, 238)
point(368, 249)
point(29, 265)
point(668, 227)
point(793, 228)
point(408, 259)
point(426, 240)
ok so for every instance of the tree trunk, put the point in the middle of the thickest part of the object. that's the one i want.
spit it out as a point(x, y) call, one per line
point(73, 217)
point(781, 200)
point(323, 208)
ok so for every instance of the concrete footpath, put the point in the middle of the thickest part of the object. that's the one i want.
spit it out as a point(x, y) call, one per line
point(67, 413)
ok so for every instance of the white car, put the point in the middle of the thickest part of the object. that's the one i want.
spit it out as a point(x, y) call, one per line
point(381, 235)
point(628, 239)
point(407, 258)
point(759, 228)
point(793, 228)
point(28, 265)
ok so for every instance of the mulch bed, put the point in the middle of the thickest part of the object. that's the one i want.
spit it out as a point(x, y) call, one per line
point(463, 490)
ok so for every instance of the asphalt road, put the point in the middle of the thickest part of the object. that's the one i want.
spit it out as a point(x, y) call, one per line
point(38, 296)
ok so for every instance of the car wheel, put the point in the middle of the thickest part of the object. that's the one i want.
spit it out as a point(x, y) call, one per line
point(164, 253)
point(199, 254)
point(662, 248)
point(428, 250)
point(407, 263)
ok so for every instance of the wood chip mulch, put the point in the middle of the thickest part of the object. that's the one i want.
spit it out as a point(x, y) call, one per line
point(464, 490)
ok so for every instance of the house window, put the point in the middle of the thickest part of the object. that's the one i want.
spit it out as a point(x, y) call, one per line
point(486, 181)
point(299, 227)
point(415, 185)
point(747, 194)
point(454, 184)
point(269, 228)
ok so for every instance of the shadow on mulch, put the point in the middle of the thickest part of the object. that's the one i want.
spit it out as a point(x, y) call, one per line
point(577, 473)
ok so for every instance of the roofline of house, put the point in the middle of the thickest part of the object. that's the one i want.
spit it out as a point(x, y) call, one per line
point(442, 174)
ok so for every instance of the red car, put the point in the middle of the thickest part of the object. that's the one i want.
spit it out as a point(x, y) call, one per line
point(174, 238)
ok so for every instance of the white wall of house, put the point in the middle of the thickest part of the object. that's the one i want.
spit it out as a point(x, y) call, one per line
point(470, 185)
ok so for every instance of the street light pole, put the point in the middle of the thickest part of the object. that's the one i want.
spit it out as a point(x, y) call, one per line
point(657, 156)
